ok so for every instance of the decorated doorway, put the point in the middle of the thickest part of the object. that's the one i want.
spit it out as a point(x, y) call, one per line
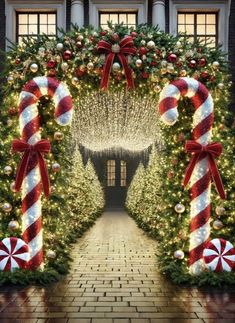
point(118, 79)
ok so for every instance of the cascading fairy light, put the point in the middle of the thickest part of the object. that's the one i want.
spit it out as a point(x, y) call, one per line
point(118, 120)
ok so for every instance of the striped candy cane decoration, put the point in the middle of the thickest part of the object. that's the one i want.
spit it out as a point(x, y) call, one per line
point(30, 134)
point(200, 180)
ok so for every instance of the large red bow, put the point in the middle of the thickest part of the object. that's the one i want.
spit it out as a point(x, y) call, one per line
point(211, 151)
point(125, 47)
point(32, 154)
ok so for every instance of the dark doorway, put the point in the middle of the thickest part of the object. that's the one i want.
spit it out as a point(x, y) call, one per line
point(115, 171)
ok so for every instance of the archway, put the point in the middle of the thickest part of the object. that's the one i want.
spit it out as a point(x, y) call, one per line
point(143, 61)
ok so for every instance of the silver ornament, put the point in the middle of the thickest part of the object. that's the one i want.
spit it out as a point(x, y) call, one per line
point(179, 208)
point(150, 44)
point(13, 225)
point(34, 68)
point(10, 79)
point(138, 63)
point(219, 210)
point(215, 65)
point(221, 86)
point(179, 254)
point(12, 187)
point(59, 46)
point(75, 80)
point(217, 225)
point(58, 136)
point(64, 66)
point(51, 254)
point(116, 67)
point(6, 207)
point(56, 167)
point(7, 170)
point(90, 66)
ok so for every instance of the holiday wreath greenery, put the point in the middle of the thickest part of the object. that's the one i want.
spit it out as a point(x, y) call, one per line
point(142, 61)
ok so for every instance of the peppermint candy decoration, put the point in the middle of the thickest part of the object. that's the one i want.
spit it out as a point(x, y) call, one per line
point(14, 253)
point(219, 255)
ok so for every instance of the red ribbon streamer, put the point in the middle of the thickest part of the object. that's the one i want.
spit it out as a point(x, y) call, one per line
point(211, 151)
point(34, 154)
point(125, 47)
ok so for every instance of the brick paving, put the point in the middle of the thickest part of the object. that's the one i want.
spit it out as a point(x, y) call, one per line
point(114, 279)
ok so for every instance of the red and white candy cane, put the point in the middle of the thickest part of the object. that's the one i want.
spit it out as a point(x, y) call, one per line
point(32, 172)
point(202, 166)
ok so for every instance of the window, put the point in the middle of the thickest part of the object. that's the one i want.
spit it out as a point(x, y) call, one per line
point(30, 24)
point(123, 173)
point(199, 25)
point(111, 172)
point(127, 18)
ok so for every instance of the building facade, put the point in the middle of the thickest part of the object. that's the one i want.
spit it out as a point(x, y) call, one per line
point(213, 20)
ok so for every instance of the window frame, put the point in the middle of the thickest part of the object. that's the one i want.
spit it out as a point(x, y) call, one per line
point(110, 170)
point(139, 6)
point(195, 13)
point(118, 12)
point(222, 6)
point(38, 13)
point(13, 6)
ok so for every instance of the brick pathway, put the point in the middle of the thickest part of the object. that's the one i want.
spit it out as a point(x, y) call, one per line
point(114, 279)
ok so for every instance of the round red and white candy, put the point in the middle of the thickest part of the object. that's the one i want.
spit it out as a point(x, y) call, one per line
point(219, 255)
point(14, 253)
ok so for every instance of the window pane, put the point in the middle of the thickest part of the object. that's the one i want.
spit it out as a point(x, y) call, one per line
point(210, 30)
point(23, 29)
point(111, 176)
point(104, 18)
point(201, 30)
point(189, 29)
point(43, 19)
point(211, 19)
point(189, 19)
point(51, 19)
point(51, 30)
point(23, 18)
point(132, 19)
point(33, 29)
point(181, 29)
point(123, 173)
point(201, 19)
point(33, 19)
point(181, 19)
point(114, 18)
point(123, 18)
point(43, 29)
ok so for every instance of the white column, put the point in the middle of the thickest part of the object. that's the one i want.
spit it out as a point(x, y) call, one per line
point(158, 17)
point(77, 12)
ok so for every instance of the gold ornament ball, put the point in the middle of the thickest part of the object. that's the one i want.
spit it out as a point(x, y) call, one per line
point(8, 170)
point(221, 86)
point(12, 187)
point(51, 254)
point(183, 73)
point(90, 66)
point(170, 68)
point(56, 167)
point(219, 210)
point(179, 254)
point(75, 80)
point(64, 66)
point(59, 46)
point(58, 136)
point(34, 68)
point(10, 79)
point(6, 207)
point(116, 67)
point(80, 37)
point(179, 208)
point(157, 88)
point(215, 65)
point(13, 225)
point(138, 63)
point(217, 225)
point(150, 44)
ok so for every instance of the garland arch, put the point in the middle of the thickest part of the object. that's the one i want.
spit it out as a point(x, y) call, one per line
point(141, 61)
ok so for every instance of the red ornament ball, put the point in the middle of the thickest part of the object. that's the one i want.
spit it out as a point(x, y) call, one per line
point(103, 32)
point(143, 51)
point(172, 58)
point(202, 62)
point(192, 63)
point(204, 74)
point(80, 72)
point(17, 61)
point(52, 72)
point(145, 75)
point(67, 55)
point(134, 34)
point(51, 64)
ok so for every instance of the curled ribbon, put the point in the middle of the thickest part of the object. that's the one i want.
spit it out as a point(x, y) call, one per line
point(125, 47)
point(32, 154)
point(199, 151)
